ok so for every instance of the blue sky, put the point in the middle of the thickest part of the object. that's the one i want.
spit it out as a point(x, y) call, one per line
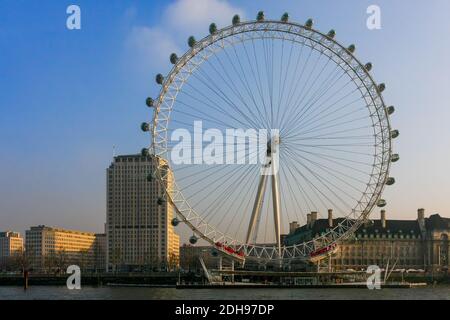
point(66, 97)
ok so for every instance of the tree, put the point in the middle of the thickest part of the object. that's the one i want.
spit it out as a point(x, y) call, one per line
point(61, 261)
point(173, 261)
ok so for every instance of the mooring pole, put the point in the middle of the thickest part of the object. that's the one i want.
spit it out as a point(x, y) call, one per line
point(25, 280)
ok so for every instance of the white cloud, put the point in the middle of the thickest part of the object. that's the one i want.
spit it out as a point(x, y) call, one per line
point(196, 15)
point(151, 46)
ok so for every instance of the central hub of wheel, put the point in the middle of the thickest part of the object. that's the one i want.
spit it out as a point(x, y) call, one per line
point(272, 144)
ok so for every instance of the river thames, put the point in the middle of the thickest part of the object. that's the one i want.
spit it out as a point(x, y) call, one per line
point(141, 293)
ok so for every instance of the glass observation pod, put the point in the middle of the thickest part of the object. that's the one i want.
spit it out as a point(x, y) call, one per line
point(390, 110)
point(395, 157)
point(381, 203)
point(390, 181)
point(145, 152)
point(212, 28)
point(193, 239)
point(159, 78)
point(394, 134)
point(331, 34)
point(145, 126)
point(191, 41)
point(260, 16)
point(149, 102)
point(175, 222)
point(173, 58)
point(285, 17)
point(236, 20)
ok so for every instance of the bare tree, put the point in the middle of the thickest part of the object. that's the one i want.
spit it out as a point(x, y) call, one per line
point(61, 260)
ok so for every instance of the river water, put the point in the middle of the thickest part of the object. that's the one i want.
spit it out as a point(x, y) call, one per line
point(140, 293)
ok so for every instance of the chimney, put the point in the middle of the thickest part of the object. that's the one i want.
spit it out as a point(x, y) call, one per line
point(421, 220)
point(421, 214)
point(383, 219)
point(293, 226)
point(330, 218)
point(308, 220)
point(313, 217)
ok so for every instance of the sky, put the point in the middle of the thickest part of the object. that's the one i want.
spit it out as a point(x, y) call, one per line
point(68, 96)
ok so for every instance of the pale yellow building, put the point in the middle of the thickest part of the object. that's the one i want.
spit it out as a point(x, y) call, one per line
point(11, 244)
point(140, 235)
point(52, 249)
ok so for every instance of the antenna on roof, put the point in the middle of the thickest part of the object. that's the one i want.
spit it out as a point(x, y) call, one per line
point(114, 151)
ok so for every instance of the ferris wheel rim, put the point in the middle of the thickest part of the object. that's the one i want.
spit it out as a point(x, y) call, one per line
point(175, 196)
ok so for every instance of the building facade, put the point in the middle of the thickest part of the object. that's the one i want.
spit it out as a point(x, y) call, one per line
point(100, 252)
point(420, 244)
point(11, 245)
point(138, 223)
point(52, 249)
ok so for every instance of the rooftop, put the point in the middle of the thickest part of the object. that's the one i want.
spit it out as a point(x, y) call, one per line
point(55, 229)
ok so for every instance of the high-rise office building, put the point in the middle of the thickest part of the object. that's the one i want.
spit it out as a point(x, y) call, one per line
point(11, 244)
point(138, 222)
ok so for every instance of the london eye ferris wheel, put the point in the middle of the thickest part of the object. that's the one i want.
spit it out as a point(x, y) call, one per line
point(331, 150)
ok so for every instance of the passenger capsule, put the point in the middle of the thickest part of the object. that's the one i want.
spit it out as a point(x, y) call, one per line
point(260, 16)
point(236, 20)
point(191, 41)
point(351, 48)
point(175, 222)
point(331, 33)
point(285, 17)
point(173, 58)
point(145, 152)
point(193, 239)
point(381, 203)
point(394, 134)
point(214, 253)
point(390, 181)
point(159, 78)
point(150, 177)
point(395, 157)
point(381, 87)
point(160, 201)
point(145, 126)
point(212, 28)
point(149, 102)
point(390, 110)
point(368, 66)
point(309, 23)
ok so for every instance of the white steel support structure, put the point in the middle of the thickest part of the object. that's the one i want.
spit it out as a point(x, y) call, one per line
point(270, 168)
